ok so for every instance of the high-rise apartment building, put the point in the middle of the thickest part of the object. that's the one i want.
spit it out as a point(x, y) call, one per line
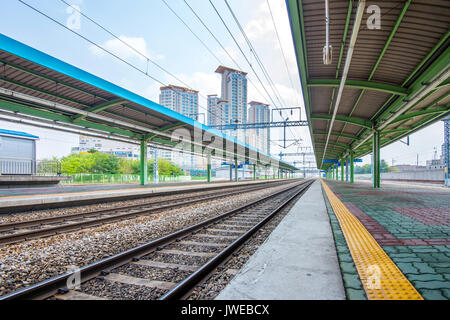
point(259, 137)
point(180, 99)
point(184, 101)
point(232, 105)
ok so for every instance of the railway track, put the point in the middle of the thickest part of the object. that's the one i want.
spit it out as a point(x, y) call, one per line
point(171, 266)
point(44, 227)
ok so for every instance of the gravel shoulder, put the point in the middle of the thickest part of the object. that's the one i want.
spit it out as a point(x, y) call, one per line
point(36, 260)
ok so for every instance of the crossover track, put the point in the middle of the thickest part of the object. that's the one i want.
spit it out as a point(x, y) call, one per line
point(171, 266)
point(44, 227)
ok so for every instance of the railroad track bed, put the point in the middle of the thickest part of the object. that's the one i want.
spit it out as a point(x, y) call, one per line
point(219, 279)
point(28, 215)
point(46, 226)
point(36, 260)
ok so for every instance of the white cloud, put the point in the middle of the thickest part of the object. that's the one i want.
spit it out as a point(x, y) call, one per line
point(120, 48)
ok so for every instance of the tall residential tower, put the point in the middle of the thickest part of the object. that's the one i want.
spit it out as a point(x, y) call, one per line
point(180, 99)
point(233, 101)
point(259, 137)
point(184, 101)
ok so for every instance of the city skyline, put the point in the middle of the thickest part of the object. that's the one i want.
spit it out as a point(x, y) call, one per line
point(192, 66)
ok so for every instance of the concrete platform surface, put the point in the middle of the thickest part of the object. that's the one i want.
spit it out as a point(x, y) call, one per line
point(297, 261)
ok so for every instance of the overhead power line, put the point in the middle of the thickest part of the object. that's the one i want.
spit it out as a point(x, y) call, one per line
point(106, 50)
point(255, 54)
point(252, 50)
point(281, 48)
point(222, 46)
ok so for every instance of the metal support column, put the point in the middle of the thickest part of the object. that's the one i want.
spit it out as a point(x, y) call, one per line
point(337, 173)
point(352, 167)
point(346, 169)
point(231, 171)
point(236, 170)
point(254, 172)
point(156, 167)
point(208, 168)
point(376, 159)
point(143, 163)
point(342, 169)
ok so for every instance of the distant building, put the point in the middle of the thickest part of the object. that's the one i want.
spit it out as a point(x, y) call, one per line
point(260, 137)
point(407, 167)
point(436, 163)
point(17, 153)
point(214, 111)
point(446, 150)
point(233, 108)
point(185, 101)
point(119, 149)
point(180, 99)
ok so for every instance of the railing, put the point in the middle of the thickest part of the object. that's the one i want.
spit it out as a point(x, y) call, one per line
point(10, 166)
point(48, 168)
point(86, 178)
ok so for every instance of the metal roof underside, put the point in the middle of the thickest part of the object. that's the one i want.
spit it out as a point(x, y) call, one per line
point(390, 67)
point(84, 100)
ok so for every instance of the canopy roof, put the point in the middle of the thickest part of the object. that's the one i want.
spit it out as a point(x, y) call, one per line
point(398, 75)
point(35, 84)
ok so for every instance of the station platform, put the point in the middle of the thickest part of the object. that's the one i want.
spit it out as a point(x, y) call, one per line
point(16, 199)
point(297, 261)
point(410, 222)
point(350, 241)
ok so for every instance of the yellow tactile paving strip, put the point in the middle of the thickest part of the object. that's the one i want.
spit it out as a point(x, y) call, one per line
point(381, 278)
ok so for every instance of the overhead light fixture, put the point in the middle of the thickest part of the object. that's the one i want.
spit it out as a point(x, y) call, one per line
point(328, 49)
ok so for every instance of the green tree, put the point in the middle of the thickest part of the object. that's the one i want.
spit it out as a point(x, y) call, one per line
point(105, 163)
point(77, 163)
point(92, 162)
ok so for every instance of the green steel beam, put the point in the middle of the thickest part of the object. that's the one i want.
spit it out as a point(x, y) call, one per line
point(411, 115)
point(366, 85)
point(438, 65)
point(46, 114)
point(344, 135)
point(432, 104)
point(86, 106)
point(428, 56)
point(380, 57)
point(143, 174)
point(355, 121)
point(442, 63)
point(331, 143)
point(167, 128)
point(352, 167)
point(100, 107)
point(46, 92)
point(49, 78)
point(295, 9)
point(376, 161)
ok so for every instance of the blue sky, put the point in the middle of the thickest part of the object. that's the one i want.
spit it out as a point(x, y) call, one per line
point(153, 29)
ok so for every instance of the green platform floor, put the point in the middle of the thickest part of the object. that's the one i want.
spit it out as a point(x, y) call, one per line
point(411, 223)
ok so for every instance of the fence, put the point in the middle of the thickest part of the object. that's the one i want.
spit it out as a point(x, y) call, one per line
point(10, 166)
point(85, 178)
point(16, 166)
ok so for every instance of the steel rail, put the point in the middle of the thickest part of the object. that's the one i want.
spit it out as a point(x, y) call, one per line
point(34, 222)
point(107, 199)
point(185, 286)
point(49, 231)
point(59, 284)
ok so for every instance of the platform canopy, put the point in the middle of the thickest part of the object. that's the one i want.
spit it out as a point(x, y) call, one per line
point(390, 78)
point(38, 86)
